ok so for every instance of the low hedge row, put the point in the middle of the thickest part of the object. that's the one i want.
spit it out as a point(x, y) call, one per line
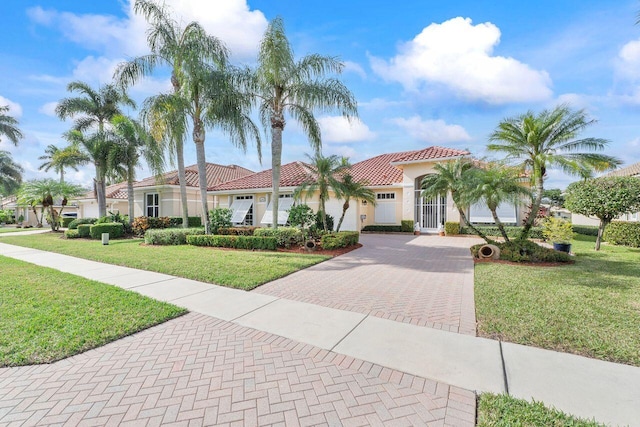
point(71, 234)
point(170, 236)
point(341, 239)
point(235, 242)
point(406, 226)
point(73, 225)
point(237, 231)
point(451, 228)
point(115, 230)
point(66, 220)
point(623, 233)
point(384, 228)
point(84, 230)
point(192, 221)
point(525, 251)
point(512, 231)
point(285, 236)
point(587, 230)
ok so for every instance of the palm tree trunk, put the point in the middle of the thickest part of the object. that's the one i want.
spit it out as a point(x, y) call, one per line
point(198, 138)
point(474, 229)
point(61, 175)
point(323, 214)
point(345, 206)
point(130, 199)
point(535, 207)
point(182, 181)
point(100, 192)
point(498, 223)
point(276, 160)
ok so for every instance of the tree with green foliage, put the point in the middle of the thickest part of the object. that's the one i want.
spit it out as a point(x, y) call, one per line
point(324, 177)
point(44, 193)
point(284, 86)
point(302, 216)
point(9, 126)
point(10, 174)
point(60, 159)
point(535, 142)
point(605, 198)
point(554, 197)
point(352, 189)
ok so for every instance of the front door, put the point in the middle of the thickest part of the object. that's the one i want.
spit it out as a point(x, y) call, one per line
point(430, 213)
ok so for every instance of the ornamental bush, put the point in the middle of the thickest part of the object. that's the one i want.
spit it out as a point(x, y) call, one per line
point(192, 221)
point(71, 234)
point(84, 230)
point(115, 230)
point(235, 242)
point(384, 228)
point(623, 233)
point(143, 223)
point(512, 231)
point(65, 221)
point(406, 226)
point(220, 218)
point(586, 230)
point(341, 239)
point(285, 236)
point(525, 251)
point(451, 228)
point(170, 236)
point(237, 231)
point(76, 222)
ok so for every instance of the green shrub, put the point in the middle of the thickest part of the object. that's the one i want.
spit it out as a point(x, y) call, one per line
point(84, 230)
point(301, 216)
point(384, 228)
point(525, 251)
point(320, 226)
point(71, 234)
point(341, 239)
point(220, 218)
point(406, 226)
point(285, 236)
point(192, 221)
point(115, 230)
point(80, 221)
point(235, 242)
point(451, 228)
point(623, 233)
point(512, 231)
point(586, 230)
point(143, 223)
point(170, 236)
point(65, 221)
point(237, 231)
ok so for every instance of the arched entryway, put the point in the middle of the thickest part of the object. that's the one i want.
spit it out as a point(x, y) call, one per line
point(430, 214)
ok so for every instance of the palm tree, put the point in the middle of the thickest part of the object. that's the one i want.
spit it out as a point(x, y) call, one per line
point(132, 144)
point(179, 48)
point(59, 159)
point(9, 126)
point(10, 174)
point(536, 142)
point(94, 111)
point(495, 185)
point(44, 192)
point(297, 88)
point(356, 190)
point(456, 178)
point(325, 176)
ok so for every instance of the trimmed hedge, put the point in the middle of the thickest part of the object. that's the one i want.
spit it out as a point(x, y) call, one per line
point(73, 225)
point(406, 226)
point(170, 236)
point(341, 239)
point(512, 231)
point(451, 228)
point(192, 221)
point(586, 230)
point(84, 230)
point(115, 230)
point(285, 236)
point(237, 231)
point(143, 223)
point(525, 251)
point(65, 221)
point(235, 242)
point(71, 234)
point(623, 233)
point(384, 228)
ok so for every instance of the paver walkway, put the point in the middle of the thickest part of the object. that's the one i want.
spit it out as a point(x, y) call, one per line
point(425, 281)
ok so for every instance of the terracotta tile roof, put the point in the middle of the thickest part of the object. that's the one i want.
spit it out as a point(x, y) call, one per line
point(431, 153)
point(632, 170)
point(291, 175)
point(216, 174)
point(116, 191)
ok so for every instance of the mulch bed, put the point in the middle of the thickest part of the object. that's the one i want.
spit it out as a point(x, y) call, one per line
point(331, 253)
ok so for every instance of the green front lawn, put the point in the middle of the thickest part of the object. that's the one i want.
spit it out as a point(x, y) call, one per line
point(14, 229)
point(47, 315)
point(236, 269)
point(591, 308)
point(501, 410)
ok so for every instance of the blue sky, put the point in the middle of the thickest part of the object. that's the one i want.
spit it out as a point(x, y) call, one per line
point(424, 72)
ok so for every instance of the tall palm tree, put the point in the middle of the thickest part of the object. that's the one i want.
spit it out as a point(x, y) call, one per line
point(45, 192)
point(178, 48)
point(536, 142)
point(349, 188)
point(59, 159)
point(132, 144)
point(93, 112)
point(325, 177)
point(10, 174)
point(455, 178)
point(9, 126)
point(282, 86)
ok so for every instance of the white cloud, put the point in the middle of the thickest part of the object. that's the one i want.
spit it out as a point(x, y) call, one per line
point(432, 131)
point(15, 109)
point(338, 129)
point(459, 56)
point(628, 61)
point(575, 100)
point(354, 67)
point(49, 109)
point(96, 69)
point(380, 104)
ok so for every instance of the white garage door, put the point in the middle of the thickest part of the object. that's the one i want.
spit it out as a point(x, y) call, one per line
point(480, 213)
point(334, 208)
point(90, 210)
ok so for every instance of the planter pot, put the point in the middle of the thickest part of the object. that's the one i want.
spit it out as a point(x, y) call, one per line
point(440, 233)
point(562, 247)
point(310, 245)
point(489, 252)
point(416, 233)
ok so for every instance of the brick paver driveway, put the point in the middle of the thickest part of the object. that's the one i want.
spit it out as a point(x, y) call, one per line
point(424, 280)
point(197, 370)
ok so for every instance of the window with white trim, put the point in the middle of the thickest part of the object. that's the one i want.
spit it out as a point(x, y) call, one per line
point(152, 204)
point(242, 208)
point(385, 196)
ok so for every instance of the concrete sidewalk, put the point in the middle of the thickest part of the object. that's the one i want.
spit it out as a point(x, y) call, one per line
point(585, 387)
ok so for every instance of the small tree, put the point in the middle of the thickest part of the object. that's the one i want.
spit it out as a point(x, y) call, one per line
point(354, 189)
point(302, 216)
point(220, 218)
point(46, 192)
point(605, 198)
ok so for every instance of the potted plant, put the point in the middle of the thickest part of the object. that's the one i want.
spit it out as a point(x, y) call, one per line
point(559, 232)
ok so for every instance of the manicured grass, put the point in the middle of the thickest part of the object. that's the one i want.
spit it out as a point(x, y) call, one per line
point(236, 269)
point(14, 229)
point(502, 410)
point(591, 308)
point(47, 315)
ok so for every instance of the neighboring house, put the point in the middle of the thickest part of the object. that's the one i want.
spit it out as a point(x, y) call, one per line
point(632, 170)
point(395, 179)
point(30, 218)
point(161, 196)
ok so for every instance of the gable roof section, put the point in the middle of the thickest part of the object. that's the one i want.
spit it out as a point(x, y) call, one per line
point(430, 153)
point(291, 175)
point(632, 170)
point(216, 174)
